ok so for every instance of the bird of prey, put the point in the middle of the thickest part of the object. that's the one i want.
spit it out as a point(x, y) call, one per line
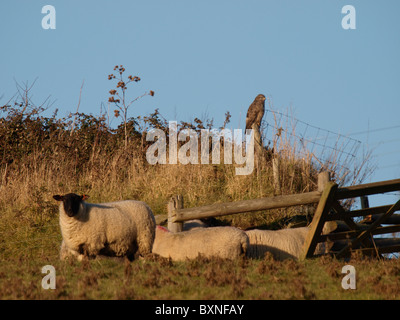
point(255, 112)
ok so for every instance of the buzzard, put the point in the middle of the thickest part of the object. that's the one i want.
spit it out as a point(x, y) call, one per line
point(255, 112)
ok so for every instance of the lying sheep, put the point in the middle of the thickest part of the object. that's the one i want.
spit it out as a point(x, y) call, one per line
point(194, 224)
point(118, 229)
point(223, 242)
point(283, 244)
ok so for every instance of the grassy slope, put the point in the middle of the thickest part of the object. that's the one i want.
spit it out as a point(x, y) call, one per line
point(38, 164)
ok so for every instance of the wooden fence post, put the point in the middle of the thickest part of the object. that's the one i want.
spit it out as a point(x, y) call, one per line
point(176, 202)
point(364, 202)
point(328, 189)
point(258, 148)
point(323, 178)
point(324, 205)
point(365, 205)
point(275, 172)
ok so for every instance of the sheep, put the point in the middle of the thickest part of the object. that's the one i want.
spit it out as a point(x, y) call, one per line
point(283, 244)
point(194, 224)
point(122, 228)
point(223, 242)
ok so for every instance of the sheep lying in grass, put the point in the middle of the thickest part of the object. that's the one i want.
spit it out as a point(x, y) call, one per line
point(283, 244)
point(223, 242)
point(118, 229)
point(194, 224)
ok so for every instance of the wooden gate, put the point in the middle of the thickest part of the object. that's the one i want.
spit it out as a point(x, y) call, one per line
point(359, 236)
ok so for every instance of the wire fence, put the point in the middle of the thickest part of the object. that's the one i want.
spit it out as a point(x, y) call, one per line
point(329, 151)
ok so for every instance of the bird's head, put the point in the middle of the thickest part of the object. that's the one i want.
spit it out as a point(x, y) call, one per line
point(260, 97)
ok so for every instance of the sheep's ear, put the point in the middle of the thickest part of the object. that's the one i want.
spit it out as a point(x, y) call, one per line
point(58, 197)
point(85, 197)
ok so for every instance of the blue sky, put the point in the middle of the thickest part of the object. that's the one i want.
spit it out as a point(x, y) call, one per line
point(207, 57)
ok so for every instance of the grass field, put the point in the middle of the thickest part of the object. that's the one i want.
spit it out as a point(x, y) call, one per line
point(27, 248)
point(155, 278)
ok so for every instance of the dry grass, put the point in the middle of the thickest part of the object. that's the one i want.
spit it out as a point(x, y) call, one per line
point(156, 278)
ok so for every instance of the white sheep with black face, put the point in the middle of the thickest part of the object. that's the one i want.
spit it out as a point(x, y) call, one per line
point(121, 228)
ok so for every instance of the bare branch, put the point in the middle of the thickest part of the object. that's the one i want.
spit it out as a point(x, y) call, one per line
point(143, 95)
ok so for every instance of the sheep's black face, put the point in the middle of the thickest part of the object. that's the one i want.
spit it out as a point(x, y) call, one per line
point(71, 202)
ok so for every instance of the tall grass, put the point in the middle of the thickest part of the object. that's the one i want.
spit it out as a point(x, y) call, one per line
point(42, 156)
